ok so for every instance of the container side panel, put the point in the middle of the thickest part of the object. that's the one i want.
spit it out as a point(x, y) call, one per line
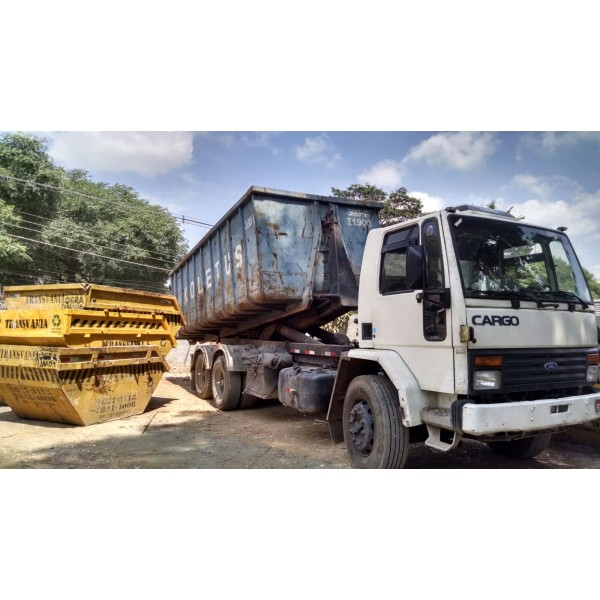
point(207, 283)
point(198, 270)
point(286, 235)
point(194, 284)
point(355, 224)
point(243, 254)
point(216, 269)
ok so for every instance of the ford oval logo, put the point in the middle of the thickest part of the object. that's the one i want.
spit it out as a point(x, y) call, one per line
point(550, 366)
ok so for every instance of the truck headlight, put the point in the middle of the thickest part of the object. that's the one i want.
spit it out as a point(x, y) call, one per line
point(486, 380)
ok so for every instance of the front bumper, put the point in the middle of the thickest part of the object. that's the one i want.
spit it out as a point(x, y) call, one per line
point(535, 415)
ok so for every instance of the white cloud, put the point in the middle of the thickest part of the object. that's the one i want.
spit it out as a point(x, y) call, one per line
point(319, 149)
point(536, 185)
point(461, 151)
point(545, 187)
point(386, 174)
point(144, 153)
point(430, 203)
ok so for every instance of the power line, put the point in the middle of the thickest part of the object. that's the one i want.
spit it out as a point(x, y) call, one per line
point(67, 275)
point(169, 262)
point(145, 285)
point(55, 188)
point(84, 230)
point(90, 253)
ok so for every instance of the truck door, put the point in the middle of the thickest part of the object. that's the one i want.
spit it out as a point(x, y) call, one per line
point(416, 323)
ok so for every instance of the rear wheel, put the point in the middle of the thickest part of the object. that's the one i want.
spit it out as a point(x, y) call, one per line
point(202, 378)
point(226, 386)
point(373, 431)
point(523, 448)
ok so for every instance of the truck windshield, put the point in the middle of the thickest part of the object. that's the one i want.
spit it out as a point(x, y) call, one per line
point(516, 261)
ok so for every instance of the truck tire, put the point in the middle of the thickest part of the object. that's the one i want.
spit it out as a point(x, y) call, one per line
point(202, 378)
point(226, 385)
point(523, 448)
point(373, 431)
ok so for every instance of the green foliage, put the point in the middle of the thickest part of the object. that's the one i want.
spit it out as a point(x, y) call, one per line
point(397, 206)
point(32, 174)
point(362, 193)
point(78, 230)
point(593, 282)
point(12, 252)
point(400, 207)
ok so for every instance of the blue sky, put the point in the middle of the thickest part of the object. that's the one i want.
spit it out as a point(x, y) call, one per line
point(552, 179)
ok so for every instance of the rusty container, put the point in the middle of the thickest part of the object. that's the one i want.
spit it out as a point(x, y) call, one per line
point(274, 258)
point(80, 386)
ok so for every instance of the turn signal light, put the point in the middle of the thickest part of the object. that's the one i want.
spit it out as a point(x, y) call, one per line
point(488, 361)
point(593, 358)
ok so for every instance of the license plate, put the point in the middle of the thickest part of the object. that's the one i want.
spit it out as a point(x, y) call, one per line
point(598, 406)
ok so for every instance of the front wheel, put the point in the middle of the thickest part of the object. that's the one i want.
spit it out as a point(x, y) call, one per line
point(226, 385)
point(373, 431)
point(523, 448)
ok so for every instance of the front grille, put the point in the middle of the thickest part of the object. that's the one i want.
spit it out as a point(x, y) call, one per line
point(524, 370)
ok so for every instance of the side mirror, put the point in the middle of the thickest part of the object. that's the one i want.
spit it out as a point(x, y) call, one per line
point(415, 267)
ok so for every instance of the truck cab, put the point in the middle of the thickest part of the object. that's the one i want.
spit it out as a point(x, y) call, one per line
point(471, 324)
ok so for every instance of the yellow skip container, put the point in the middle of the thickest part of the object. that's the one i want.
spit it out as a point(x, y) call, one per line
point(87, 296)
point(61, 327)
point(81, 386)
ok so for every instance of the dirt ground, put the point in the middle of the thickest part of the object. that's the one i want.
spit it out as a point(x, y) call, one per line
point(178, 430)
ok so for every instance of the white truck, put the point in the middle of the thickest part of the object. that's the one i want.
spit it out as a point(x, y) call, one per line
point(471, 324)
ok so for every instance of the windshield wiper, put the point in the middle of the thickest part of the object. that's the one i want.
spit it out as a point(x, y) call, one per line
point(565, 294)
point(530, 296)
point(515, 296)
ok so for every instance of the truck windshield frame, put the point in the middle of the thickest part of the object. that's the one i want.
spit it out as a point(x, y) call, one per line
point(503, 259)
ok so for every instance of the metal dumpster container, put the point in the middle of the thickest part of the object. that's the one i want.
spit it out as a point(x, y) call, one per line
point(82, 327)
point(275, 258)
point(88, 296)
point(81, 386)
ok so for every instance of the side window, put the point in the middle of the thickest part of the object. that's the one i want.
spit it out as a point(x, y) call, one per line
point(392, 278)
point(393, 272)
point(434, 313)
point(435, 266)
point(564, 274)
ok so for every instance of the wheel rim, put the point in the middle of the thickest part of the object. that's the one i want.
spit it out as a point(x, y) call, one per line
point(200, 375)
point(218, 379)
point(361, 427)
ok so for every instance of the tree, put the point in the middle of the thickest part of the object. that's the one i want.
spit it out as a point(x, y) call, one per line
point(397, 206)
point(361, 193)
point(30, 176)
point(593, 282)
point(60, 226)
point(400, 207)
point(13, 253)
